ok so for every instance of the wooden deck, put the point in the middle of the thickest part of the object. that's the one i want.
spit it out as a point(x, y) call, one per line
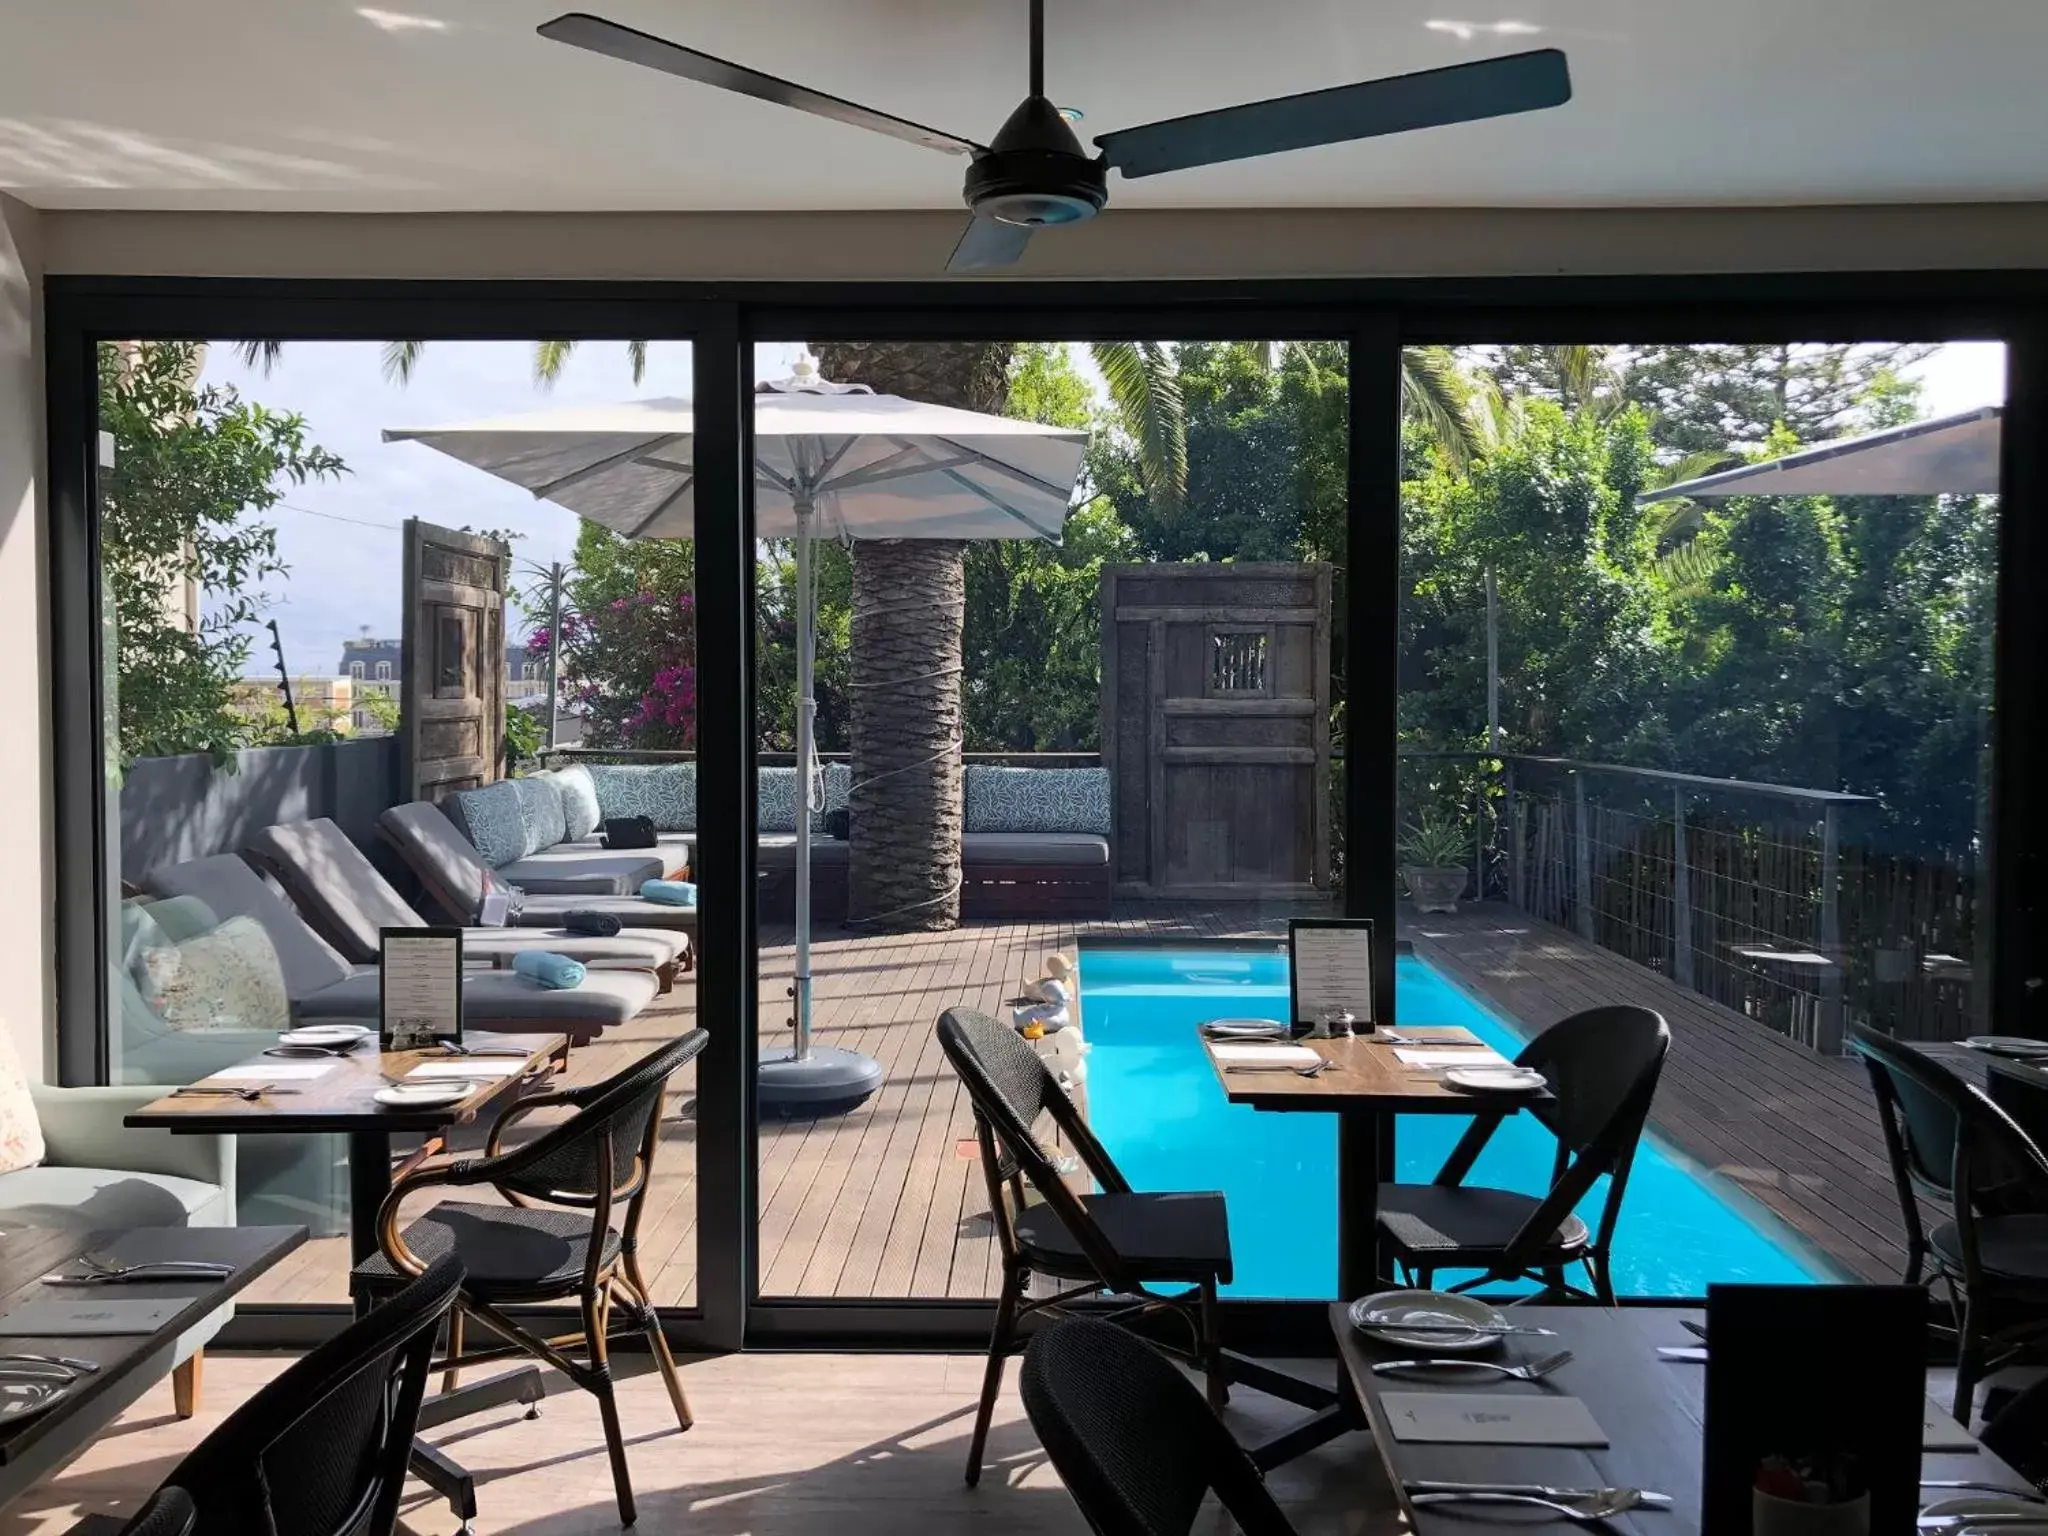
point(887, 1201)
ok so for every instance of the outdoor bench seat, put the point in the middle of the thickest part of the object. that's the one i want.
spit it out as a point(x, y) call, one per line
point(570, 870)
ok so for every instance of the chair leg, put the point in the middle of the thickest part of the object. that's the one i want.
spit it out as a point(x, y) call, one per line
point(452, 1377)
point(600, 1385)
point(664, 1361)
point(1969, 1358)
point(1210, 1347)
point(999, 1343)
point(185, 1377)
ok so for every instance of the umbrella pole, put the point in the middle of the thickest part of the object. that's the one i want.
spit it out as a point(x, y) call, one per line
point(806, 730)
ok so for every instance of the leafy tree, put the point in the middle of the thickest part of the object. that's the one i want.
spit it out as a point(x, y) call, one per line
point(191, 464)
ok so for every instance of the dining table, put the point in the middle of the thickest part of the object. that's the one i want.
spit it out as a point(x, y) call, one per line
point(336, 1093)
point(1650, 1407)
point(1364, 1081)
point(2017, 1086)
point(109, 1371)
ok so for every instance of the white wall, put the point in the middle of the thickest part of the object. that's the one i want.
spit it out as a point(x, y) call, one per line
point(27, 959)
point(1217, 243)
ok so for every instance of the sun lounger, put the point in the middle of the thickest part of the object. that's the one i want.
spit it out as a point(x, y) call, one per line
point(322, 985)
point(341, 894)
point(448, 866)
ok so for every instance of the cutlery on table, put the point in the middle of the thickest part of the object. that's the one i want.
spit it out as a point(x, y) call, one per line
point(1645, 1498)
point(1313, 1069)
point(1587, 1510)
point(97, 1272)
point(246, 1095)
point(1697, 1330)
point(65, 1362)
point(1404, 1038)
point(1966, 1485)
point(1396, 1325)
point(1536, 1370)
point(455, 1048)
point(1962, 1525)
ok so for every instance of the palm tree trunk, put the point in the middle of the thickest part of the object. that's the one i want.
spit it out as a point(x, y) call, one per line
point(909, 597)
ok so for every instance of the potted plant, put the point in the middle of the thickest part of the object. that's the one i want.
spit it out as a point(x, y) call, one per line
point(1432, 853)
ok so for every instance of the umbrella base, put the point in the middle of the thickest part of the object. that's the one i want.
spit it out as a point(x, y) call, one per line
point(827, 1082)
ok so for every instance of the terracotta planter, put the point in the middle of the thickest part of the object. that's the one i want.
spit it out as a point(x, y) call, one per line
point(1434, 887)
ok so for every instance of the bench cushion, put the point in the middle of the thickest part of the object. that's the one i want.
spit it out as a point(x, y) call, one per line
point(502, 999)
point(567, 870)
point(491, 818)
point(580, 813)
point(777, 850)
point(1051, 850)
point(666, 792)
point(1037, 799)
point(542, 820)
point(108, 1200)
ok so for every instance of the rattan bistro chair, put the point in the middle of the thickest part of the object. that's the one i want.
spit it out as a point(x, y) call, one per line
point(1122, 1242)
point(1602, 1066)
point(1132, 1439)
point(575, 1196)
point(1948, 1140)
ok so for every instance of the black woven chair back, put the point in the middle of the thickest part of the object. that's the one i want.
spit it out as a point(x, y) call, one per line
point(322, 1450)
point(167, 1512)
point(1603, 1065)
point(591, 1158)
point(1132, 1438)
point(1922, 1104)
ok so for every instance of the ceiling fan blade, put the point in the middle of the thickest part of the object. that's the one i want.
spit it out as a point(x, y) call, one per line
point(1462, 93)
point(988, 243)
point(594, 33)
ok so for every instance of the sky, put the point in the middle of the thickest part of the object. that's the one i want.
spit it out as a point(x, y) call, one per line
point(340, 538)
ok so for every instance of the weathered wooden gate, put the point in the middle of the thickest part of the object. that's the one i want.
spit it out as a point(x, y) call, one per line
point(1216, 728)
point(451, 722)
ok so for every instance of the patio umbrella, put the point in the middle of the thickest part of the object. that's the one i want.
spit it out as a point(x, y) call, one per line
point(830, 460)
point(1949, 455)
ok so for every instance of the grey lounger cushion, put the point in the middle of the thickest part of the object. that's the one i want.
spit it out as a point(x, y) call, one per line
point(777, 850)
point(440, 856)
point(568, 871)
point(230, 888)
point(501, 1000)
point(631, 946)
point(542, 911)
point(1049, 850)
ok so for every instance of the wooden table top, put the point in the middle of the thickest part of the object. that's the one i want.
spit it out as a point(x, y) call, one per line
point(1652, 1410)
point(27, 1254)
point(343, 1098)
point(1364, 1074)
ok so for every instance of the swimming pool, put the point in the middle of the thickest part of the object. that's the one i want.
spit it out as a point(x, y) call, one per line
point(1155, 1103)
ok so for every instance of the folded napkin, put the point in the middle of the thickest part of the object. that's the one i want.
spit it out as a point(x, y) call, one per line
point(596, 925)
point(670, 893)
point(553, 971)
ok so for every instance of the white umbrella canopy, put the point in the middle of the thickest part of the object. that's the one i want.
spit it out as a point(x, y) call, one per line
point(1946, 456)
point(830, 460)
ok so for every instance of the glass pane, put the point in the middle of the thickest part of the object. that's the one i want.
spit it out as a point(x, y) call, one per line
point(1078, 715)
point(252, 520)
point(1704, 742)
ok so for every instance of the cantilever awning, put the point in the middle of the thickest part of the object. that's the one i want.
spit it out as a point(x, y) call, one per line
point(1948, 455)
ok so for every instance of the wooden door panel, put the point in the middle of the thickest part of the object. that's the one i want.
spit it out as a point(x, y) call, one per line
point(452, 672)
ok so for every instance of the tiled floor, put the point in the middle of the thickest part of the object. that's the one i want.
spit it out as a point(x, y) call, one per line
point(797, 1444)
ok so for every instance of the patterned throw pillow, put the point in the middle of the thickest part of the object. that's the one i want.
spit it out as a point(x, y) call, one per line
point(838, 787)
point(775, 800)
point(580, 814)
point(21, 1133)
point(493, 822)
point(1037, 800)
point(666, 792)
point(226, 979)
point(542, 819)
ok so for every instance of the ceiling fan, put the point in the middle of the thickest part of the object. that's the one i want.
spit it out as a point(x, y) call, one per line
point(1035, 173)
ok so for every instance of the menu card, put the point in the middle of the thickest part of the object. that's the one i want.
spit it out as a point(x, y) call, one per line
point(1330, 968)
point(1496, 1418)
point(420, 987)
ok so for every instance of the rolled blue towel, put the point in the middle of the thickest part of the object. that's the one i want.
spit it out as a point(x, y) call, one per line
point(670, 893)
point(553, 971)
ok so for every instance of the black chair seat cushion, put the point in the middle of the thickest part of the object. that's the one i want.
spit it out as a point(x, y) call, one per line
point(1429, 1221)
point(508, 1253)
point(2009, 1247)
point(1161, 1236)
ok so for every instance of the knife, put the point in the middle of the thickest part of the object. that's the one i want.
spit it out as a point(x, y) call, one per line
point(1533, 1490)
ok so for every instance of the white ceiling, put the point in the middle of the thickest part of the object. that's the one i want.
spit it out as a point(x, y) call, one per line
point(455, 104)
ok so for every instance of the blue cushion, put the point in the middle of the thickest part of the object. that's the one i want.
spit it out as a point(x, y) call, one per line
point(1037, 799)
point(491, 819)
point(580, 813)
point(667, 792)
point(541, 817)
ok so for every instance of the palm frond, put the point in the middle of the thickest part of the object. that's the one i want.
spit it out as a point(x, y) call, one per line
point(1144, 386)
point(400, 359)
point(636, 354)
point(550, 358)
point(1434, 392)
point(260, 354)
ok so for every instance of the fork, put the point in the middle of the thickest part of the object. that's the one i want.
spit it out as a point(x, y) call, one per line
point(1587, 1509)
point(1537, 1490)
point(1536, 1370)
point(246, 1095)
point(1316, 1069)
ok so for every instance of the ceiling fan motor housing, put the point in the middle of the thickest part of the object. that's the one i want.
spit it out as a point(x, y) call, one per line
point(1035, 172)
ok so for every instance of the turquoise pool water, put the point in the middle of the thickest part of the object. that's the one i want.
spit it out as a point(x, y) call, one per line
point(1158, 1108)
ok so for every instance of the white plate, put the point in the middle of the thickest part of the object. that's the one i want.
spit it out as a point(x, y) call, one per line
point(1425, 1307)
point(1495, 1079)
point(429, 1095)
point(1992, 1504)
point(1246, 1029)
point(2008, 1045)
point(325, 1034)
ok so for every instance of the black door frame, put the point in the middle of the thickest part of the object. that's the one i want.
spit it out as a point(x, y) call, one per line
point(1377, 317)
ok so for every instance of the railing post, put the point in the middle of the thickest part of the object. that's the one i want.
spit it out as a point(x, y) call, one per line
point(1510, 811)
point(1681, 895)
point(1582, 857)
point(1828, 1030)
